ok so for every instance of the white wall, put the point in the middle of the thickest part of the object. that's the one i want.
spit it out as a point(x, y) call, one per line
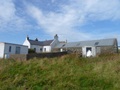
point(24, 50)
point(1, 50)
point(93, 51)
point(84, 51)
point(48, 48)
point(27, 43)
point(54, 43)
point(37, 48)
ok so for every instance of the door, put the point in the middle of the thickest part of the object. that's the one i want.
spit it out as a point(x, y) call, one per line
point(88, 51)
point(88, 48)
point(17, 50)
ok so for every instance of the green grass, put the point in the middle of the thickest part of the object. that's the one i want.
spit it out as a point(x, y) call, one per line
point(68, 72)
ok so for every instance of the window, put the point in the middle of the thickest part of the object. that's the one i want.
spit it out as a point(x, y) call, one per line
point(41, 49)
point(10, 48)
point(44, 49)
point(17, 50)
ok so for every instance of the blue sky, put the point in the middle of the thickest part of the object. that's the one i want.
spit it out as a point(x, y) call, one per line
point(74, 20)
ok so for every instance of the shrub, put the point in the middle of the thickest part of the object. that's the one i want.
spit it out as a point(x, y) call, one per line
point(31, 51)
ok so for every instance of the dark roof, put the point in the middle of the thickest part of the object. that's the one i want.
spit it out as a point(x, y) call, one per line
point(101, 42)
point(40, 43)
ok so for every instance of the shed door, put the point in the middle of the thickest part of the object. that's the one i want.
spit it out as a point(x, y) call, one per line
point(17, 50)
point(89, 51)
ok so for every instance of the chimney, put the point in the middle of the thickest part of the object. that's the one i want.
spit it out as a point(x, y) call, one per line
point(27, 37)
point(36, 39)
point(56, 36)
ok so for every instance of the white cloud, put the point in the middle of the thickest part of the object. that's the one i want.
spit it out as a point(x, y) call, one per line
point(76, 14)
point(8, 18)
point(103, 9)
point(60, 23)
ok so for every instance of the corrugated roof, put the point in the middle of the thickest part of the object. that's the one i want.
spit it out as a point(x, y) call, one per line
point(60, 45)
point(41, 43)
point(101, 42)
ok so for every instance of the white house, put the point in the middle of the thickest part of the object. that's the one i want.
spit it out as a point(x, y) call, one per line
point(41, 46)
point(6, 49)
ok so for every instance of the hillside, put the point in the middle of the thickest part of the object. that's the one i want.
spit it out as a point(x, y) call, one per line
point(68, 72)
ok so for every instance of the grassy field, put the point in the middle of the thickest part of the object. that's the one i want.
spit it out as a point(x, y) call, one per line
point(68, 72)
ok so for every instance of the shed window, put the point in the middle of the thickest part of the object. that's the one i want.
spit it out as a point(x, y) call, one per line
point(10, 48)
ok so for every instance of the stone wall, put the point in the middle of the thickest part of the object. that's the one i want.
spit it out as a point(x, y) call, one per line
point(48, 55)
point(108, 49)
point(21, 57)
point(24, 57)
point(76, 50)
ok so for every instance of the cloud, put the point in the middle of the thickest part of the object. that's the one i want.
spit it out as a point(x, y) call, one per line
point(71, 17)
point(60, 23)
point(9, 21)
point(103, 9)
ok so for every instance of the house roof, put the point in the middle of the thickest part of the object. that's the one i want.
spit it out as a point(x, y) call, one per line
point(101, 42)
point(41, 43)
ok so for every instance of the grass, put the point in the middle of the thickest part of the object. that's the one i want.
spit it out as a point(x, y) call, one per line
point(68, 72)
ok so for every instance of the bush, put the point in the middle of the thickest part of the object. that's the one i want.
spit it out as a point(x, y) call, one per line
point(31, 51)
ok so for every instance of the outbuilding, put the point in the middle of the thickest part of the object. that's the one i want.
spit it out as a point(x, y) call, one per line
point(95, 47)
point(6, 49)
